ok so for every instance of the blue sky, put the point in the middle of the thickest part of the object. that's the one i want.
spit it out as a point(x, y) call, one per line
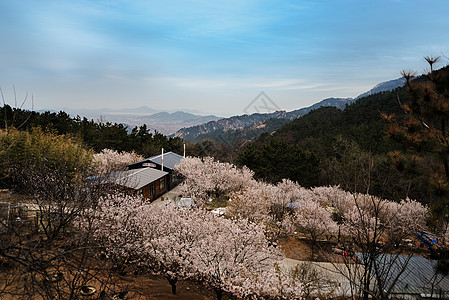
point(211, 56)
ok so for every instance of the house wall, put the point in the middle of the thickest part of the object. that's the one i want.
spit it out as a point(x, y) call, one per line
point(173, 180)
point(155, 187)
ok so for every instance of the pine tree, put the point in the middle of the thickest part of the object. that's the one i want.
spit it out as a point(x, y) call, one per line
point(424, 131)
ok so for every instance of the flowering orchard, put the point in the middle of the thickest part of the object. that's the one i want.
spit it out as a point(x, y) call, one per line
point(236, 254)
point(318, 211)
point(231, 256)
point(362, 222)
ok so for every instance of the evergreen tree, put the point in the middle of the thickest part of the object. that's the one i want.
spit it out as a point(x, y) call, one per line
point(278, 160)
point(424, 132)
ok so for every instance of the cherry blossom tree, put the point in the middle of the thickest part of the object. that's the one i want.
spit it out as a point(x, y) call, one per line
point(232, 256)
point(252, 203)
point(274, 283)
point(113, 225)
point(286, 196)
point(235, 247)
point(111, 160)
point(334, 197)
point(315, 220)
point(263, 202)
point(155, 237)
point(51, 259)
point(171, 241)
point(206, 178)
point(376, 227)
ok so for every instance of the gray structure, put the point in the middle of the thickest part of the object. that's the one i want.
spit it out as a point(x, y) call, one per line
point(138, 178)
point(147, 182)
point(419, 278)
point(169, 160)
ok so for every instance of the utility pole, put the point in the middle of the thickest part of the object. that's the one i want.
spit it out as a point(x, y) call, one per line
point(162, 158)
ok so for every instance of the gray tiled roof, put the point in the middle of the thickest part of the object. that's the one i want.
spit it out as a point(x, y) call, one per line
point(138, 178)
point(417, 278)
point(171, 159)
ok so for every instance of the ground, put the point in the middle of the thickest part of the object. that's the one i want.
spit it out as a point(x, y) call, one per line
point(298, 247)
point(158, 288)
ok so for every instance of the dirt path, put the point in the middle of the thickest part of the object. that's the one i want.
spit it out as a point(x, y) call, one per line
point(171, 196)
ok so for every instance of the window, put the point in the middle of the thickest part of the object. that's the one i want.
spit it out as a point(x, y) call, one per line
point(162, 180)
point(152, 189)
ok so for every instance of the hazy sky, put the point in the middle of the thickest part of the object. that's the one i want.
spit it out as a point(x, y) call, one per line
point(211, 56)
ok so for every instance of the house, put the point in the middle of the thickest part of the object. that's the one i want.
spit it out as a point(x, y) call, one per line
point(166, 161)
point(147, 182)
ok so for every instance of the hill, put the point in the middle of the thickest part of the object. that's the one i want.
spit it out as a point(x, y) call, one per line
point(247, 127)
point(352, 145)
point(384, 86)
point(216, 128)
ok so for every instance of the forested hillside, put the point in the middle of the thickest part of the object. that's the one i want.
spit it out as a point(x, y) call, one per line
point(95, 135)
point(355, 147)
point(360, 122)
point(237, 130)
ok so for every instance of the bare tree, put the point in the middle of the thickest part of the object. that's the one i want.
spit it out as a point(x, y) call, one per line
point(42, 249)
point(376, 228)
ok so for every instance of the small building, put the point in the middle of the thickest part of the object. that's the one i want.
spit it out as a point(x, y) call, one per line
point(166, 161)
point(149, 183)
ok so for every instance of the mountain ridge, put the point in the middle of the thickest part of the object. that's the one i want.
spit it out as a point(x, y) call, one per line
point(219, 130)
point(164, 122)
point(196, 127)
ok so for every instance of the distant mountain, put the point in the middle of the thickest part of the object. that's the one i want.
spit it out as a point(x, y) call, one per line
point(215, 128)
point(246, 127)
point(251, 126)
point(195, 127)
point(335, 102)
point(169, 123)
point(384, 87)
point(163, 122)
point(177, 116)
point(142, 110)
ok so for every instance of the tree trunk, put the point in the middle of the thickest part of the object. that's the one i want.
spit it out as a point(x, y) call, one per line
point(312, 248)
point(367, 279)
point(219, 293)
point(314, 242)
point(172, 281)
point(445, 164)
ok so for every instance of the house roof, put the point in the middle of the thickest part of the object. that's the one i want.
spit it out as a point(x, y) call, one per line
point(171, 159)
point(418, 277)
point(138, 178)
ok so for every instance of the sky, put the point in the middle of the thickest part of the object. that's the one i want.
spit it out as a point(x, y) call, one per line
point(213, 57)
